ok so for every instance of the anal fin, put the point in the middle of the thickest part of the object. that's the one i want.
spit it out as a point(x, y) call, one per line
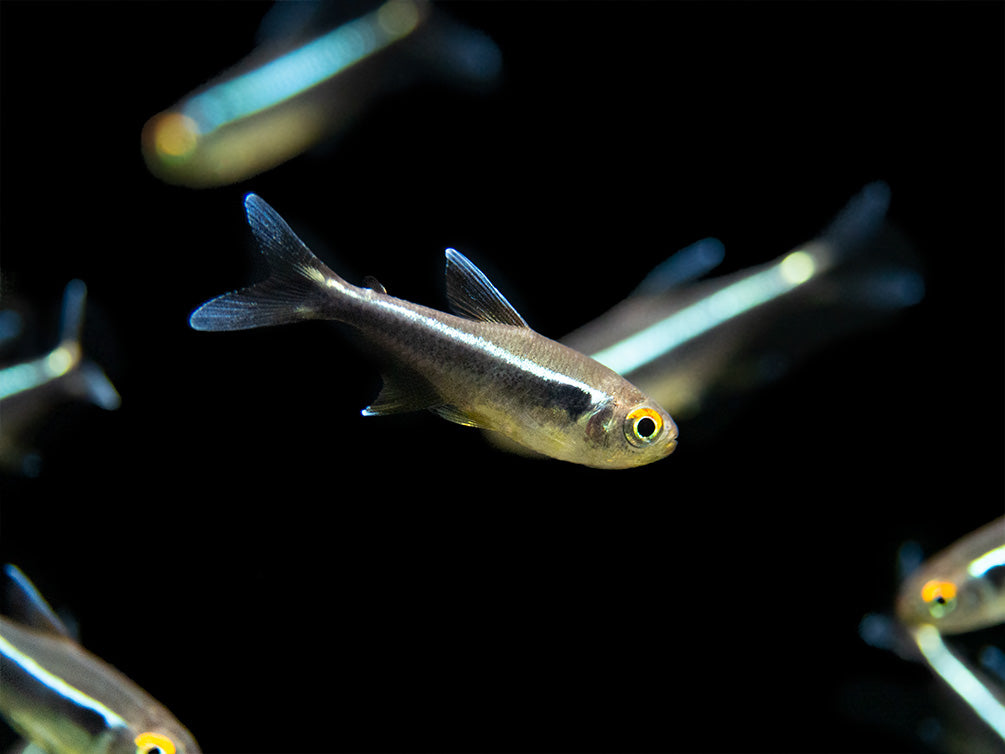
point(401, 393)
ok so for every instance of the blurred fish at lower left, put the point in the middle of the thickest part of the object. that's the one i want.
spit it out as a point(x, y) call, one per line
point(64, 700)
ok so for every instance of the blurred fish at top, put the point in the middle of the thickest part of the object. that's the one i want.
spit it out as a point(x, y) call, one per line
point(30, 389)
point(301, 85)
point(685, 342)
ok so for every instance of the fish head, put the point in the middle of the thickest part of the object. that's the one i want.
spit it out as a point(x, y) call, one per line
point(950, 601)
point(621, 434)
point(929, 599)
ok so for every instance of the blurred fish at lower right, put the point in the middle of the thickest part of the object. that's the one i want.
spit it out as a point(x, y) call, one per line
point(960, 590)
point(691, 342)
point(684, 341)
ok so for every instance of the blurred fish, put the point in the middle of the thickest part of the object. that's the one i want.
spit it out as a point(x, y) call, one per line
point(961, 588)
point(63, 699)
point(683, 341)
point(958, 590)
point(30, 389)
point(483, 367)
point(686, 343)
point(302, 85)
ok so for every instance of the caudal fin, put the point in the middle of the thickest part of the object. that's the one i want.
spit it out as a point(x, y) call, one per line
point(83, 378)
point(294, 291)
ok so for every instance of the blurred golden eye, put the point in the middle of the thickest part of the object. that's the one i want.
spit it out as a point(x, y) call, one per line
point(940, 596)
point(643, 425)
point(154, 743)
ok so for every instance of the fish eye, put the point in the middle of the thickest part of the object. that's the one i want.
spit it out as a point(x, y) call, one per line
point(939, 596)
point(154, 743)
point(643, 425)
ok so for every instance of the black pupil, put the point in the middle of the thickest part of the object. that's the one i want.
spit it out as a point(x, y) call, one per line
point(646, 427)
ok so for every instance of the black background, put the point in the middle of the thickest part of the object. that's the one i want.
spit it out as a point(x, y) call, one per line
point(288, 576)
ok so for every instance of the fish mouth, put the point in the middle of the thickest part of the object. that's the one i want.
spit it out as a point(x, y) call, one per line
point(674, 435)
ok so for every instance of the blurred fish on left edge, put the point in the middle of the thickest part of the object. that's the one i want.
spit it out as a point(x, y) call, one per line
point(303, 85)
point(30, 389)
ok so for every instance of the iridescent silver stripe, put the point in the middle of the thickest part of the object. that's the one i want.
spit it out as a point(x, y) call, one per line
point(60, 687)
point(389, 304)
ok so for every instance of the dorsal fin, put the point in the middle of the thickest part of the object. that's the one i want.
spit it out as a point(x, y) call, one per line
point(684, 266)
point(472, 295)
point(72, 322)
point(28, 607)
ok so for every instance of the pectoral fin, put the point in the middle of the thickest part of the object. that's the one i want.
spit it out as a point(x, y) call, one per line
point(459, 416)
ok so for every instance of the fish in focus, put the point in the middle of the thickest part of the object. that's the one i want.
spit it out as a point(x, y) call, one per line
point(63, 699)
point(29, 389)
point(482, 366)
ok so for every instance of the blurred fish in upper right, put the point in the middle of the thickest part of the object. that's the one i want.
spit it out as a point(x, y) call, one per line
point(685, 342)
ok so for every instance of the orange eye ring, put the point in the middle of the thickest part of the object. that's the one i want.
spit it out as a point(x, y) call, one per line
point(154, 743)
point(643, 425)
point(939, 596)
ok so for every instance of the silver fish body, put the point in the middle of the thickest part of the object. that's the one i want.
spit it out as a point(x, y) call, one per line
point(482, 367)
point(65, 700)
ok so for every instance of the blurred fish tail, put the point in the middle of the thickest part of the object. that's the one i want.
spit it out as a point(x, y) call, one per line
point(300, 286)
point(87, 381)
point(876, 267)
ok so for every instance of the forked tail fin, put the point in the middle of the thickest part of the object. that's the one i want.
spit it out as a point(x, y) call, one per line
point(81, 377)
point(297, 288)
